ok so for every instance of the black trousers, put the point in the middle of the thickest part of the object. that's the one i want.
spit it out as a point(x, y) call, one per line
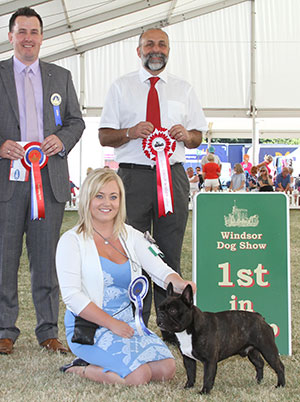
point(142, 214)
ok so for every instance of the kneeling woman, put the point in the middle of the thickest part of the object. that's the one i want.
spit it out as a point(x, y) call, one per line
point(96, 261)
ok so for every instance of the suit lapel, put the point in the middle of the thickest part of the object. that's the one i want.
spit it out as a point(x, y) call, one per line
point(46, 82)
point(8, 79)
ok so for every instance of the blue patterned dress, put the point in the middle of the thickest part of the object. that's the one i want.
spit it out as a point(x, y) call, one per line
point(110, 351)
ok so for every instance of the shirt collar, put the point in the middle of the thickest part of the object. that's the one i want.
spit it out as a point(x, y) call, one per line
point(145, 75)
point(19, 66)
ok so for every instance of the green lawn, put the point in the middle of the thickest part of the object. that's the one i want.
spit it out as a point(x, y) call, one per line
point(31, 374)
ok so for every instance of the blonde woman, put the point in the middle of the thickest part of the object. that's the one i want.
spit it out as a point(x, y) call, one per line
point(268, 163)
point(238, 179)
point(96, 261)
point(265, 181)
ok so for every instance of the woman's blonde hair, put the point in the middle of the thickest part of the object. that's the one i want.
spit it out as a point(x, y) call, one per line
point(89, 189)
point(238, 168)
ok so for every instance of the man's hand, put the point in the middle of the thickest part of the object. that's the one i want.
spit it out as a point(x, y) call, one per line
point(179, 133)
point(110, 137)
point(51, 145)
point(190, 138)
point(11, 150)
point(141, 130)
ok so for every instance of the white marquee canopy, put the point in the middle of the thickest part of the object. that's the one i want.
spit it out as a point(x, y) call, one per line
point(241, 56)
point(212, 45)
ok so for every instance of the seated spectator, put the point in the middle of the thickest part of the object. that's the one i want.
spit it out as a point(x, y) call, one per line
point(238, 179)
point(194, 180)
point(246, 165)
point(200, 177)
point(253, 185)
point(292, 179)
point(267, 162)
point(282, 182)
point(211, 172)
point(265, 180)
point(247, 177)
point(73, 193)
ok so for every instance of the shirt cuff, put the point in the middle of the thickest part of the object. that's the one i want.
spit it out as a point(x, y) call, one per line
point(62, 153)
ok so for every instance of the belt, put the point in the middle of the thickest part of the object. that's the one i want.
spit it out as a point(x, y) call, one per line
point(145, 167)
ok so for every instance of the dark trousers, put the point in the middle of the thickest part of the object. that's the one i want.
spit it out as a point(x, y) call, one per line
point(41, 240)
point(142, 214)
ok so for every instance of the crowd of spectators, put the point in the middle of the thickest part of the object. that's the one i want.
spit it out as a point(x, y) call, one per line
point(246, 177)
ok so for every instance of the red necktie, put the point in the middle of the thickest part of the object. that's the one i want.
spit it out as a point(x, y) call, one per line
point(153, 110)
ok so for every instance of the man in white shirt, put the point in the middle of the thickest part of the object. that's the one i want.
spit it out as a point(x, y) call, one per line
point(123, 126)
point(211, 150)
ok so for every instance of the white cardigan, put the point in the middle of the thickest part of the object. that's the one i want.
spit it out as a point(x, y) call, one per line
point(80, 273)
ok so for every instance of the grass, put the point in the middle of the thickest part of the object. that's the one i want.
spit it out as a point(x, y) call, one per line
point(31, 374)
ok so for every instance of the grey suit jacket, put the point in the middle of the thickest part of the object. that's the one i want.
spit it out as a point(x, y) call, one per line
point(55, 79)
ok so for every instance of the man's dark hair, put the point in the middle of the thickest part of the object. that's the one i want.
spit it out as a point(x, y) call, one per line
point(26, 12)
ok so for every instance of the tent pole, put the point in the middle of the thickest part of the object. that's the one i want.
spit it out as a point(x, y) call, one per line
point(253, 109)
point(81, 104)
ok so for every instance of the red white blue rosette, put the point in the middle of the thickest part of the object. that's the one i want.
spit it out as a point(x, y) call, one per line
point(34, 160)
point(159, 146)
point(137, 290)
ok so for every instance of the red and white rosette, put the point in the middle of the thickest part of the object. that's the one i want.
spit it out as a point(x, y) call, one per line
point(159, 146)
point(34, 160)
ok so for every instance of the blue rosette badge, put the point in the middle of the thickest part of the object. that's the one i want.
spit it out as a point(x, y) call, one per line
point(137, 291)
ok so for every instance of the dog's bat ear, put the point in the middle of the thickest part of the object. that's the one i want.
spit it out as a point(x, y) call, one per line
point(170, 290)
point(187, 296)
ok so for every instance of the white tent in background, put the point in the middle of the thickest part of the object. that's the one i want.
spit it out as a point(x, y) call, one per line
point(242, 56)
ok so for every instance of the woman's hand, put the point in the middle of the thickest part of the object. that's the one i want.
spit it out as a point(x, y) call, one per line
point(193, 285)
point(180, 284)
point(121, 328)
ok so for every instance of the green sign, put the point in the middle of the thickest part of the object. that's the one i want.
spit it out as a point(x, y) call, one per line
point(241, 257)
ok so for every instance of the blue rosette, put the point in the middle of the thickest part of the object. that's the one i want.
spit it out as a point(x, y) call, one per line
point(137, 291)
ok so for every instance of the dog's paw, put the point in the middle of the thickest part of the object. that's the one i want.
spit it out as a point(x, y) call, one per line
point(189, 384)
point(204, 390)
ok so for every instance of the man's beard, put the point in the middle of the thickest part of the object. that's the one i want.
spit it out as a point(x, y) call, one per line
point(154, 65)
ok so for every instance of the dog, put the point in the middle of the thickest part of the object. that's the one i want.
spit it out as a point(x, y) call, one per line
point(212, 337)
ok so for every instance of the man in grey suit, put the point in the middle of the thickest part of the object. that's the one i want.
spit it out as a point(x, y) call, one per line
point(59, 127)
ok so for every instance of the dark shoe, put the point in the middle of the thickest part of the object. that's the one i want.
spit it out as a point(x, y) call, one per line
point(6, 346)
point(75, 362)
point(54, 345)
point(169, 338)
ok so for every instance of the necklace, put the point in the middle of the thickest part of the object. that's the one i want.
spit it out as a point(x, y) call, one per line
point(106, 241)
point(134, 263)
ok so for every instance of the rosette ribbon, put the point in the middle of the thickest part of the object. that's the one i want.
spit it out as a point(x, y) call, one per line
point(159, 146)
point(34, 160)
point(137, 290)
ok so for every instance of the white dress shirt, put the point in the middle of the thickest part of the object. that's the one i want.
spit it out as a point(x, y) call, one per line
point(126, 105)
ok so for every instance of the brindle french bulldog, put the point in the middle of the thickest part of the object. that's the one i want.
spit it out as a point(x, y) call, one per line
point(212, 337)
